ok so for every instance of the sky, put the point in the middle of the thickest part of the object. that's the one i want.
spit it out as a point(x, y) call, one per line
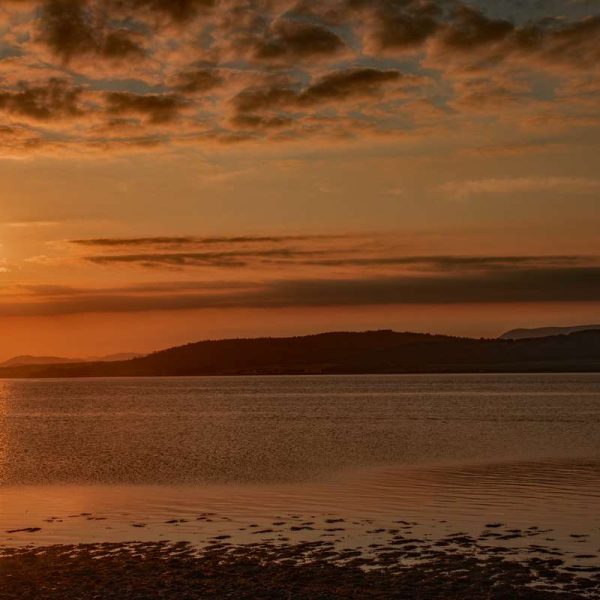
point(177, 170)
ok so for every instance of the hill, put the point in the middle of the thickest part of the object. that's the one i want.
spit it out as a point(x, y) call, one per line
point(340, 353)
point(521, 334)
point(20, 361)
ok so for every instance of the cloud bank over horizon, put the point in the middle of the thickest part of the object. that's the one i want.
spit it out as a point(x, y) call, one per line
point(299, 271)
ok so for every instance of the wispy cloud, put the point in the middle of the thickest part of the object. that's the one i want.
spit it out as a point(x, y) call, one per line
point(231, 259)
point(271, 253)
point(520, 185)
point(225, 252)
point(197, 241)
point(33, 223)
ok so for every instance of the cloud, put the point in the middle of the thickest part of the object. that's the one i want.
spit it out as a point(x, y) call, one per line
point(520, 185)
point(295, 40)
point(178, 10)
point(199, 241)
point(131, 75)
point(157, 108)
point(455, 31)
point(195, 81)
point(30, 224)
point(336, 86)
point(543, 284)
point(514, 149)
point(49, 291)
point(298, 254)
point(74, 28)
point(224, 252)
point(231, 259)
point(132, 242)
point(15, 141)
point(400, 26)
point(453, 263)
point(350, 83)
point(468, 29)
point(250, 121)
point(53, 100)
point(518, 285)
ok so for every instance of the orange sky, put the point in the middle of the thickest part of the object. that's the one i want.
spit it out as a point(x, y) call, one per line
point(174, 171)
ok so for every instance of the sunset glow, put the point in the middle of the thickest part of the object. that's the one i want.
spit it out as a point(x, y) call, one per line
point(173, 171)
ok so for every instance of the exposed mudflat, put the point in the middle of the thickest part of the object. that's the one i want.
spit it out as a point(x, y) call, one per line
point(457, 566)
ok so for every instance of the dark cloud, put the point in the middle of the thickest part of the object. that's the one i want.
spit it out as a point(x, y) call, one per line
point(55, 99)
point(336, 86)
point(516, 285)
point(454, 263)
point(197, 81)
point(347, 84)
point(198, 241)
point(129, 242)
point(250, 121)
point(74, 28)
point(82, 27)
point(488, 42)
point(227, 259)
point(298, 251)
point(573, 43)
point(255, 99)
point(401, 25)
point(294, 40)
point(264, 252)
point(158, 108)
point(470, 29)
point(464, 30)
point(561, 284)
point(178, 10)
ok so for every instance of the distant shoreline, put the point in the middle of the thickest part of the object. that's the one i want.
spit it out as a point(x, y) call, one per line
point(344, 353)
point(307, 375)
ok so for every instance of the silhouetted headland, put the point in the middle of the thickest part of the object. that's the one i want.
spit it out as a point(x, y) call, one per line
point(20, 361)
point(539, 332)
point(345, 353)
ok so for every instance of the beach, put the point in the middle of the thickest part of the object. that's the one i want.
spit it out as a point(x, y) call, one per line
point(455, 567)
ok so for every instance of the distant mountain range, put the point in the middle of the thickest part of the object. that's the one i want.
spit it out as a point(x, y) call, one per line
point(19, 361)
point(521, 334)
point(345, 353)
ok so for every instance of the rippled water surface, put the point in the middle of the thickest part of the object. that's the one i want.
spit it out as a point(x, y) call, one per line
point(462, 448)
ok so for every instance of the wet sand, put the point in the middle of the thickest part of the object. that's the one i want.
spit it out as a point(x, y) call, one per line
point(264, 570)
point(396, 563)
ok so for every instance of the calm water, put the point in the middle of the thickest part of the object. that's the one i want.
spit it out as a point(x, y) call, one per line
point(467, 449)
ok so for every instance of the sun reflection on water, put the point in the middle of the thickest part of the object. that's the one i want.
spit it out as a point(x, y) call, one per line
point(5, 387)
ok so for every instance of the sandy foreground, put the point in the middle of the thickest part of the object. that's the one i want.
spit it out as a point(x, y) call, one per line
point(457, 566)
